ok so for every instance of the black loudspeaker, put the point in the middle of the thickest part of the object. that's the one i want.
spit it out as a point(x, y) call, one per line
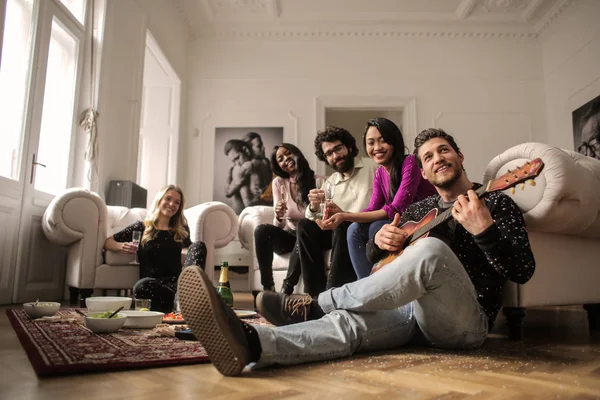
point(126, 194)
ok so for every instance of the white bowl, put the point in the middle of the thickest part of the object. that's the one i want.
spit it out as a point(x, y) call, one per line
point(107, 303)
point(42, 309)
point(143, 319)
point(105, 325)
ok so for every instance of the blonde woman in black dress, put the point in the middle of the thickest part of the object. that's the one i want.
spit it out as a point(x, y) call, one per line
point(165, 233)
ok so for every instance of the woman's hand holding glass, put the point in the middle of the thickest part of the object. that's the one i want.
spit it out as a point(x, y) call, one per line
point(135, 242)
point(281, 206)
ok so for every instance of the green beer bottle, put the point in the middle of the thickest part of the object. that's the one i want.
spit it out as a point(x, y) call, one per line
point(224, 288)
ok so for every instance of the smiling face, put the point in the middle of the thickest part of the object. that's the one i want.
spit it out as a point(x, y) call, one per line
point(338, 156)
point(170, 203)
point(286, 160)
point(377, 148)
point(442, 166)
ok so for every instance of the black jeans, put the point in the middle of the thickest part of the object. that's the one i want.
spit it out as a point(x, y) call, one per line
point(269, 239)
point(312, 242)
point(161, 290)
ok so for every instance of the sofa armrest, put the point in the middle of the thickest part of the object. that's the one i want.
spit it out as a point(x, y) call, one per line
point(249, 219)
point(567, 192)
point(77, 218)
point(215, 224)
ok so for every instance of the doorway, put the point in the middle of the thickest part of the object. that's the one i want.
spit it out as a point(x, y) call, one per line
point(355, 120)
point(159, 124)
point(353, 112)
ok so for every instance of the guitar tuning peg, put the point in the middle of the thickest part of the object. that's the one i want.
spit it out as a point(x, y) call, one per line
point(532, 182)
point(512, 190)
point(523, 186)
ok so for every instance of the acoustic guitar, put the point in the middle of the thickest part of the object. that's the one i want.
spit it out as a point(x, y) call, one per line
point(419, 230)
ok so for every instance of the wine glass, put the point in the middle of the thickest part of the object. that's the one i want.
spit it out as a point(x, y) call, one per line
point(319, 181)
point(329, 191)
point(135, 240)
point(283, 192)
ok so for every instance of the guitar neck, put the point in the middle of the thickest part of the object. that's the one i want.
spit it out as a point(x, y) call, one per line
point(440, 219)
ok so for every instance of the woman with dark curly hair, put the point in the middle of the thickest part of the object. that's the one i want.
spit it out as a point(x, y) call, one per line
point(290, 197)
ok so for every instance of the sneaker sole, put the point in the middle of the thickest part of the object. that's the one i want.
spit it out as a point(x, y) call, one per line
point(201, 309)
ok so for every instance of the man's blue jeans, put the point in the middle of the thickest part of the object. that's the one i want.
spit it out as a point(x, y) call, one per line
point(358, 236)
point(426, 289)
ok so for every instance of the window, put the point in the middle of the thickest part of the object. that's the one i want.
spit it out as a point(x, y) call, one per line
point(38, 105)
point(14, 74)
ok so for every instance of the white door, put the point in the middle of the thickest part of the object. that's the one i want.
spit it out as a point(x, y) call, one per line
point(41, 63)
point(159, 125)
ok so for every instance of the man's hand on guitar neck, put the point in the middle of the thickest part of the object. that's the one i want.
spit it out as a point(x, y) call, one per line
point(390, 237)
point(472, 213)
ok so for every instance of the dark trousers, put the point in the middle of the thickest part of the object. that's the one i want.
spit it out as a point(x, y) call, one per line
point(269, 239)
point(312, 242)
point(161, 290)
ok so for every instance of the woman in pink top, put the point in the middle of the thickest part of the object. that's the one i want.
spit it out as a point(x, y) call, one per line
point(397, 184)
point(290, 198)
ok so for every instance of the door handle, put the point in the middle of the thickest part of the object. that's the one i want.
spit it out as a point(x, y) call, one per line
point(33, 164)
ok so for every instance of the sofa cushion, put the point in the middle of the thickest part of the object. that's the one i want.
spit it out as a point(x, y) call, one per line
point(120, 217)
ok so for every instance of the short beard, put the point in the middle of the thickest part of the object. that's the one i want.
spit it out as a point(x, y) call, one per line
point(346, 166)
point(450, 182)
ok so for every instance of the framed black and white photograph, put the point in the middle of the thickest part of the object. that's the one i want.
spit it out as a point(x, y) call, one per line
point(242, 170)
point(586, 128)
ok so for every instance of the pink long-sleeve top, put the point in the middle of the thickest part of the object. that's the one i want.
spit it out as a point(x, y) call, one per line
point(294, 211)
point(413, 187)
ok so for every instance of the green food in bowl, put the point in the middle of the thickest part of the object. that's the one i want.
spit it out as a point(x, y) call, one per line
point(105, 314)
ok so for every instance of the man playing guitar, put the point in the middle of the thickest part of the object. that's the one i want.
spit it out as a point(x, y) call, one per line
point(445, 293)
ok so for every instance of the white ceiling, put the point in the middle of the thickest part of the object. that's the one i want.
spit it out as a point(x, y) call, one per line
point(503, 17)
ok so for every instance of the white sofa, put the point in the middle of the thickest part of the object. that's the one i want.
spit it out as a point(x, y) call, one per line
point(562, 212)
point(81, 220)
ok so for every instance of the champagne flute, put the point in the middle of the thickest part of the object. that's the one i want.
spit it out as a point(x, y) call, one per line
point(135, 240)
point(319, 181)
point(283, 192)
point(329, 191)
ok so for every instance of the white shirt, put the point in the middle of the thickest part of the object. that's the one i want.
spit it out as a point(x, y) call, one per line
point(351, 193)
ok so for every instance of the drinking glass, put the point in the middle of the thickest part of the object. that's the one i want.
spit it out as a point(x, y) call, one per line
point(135, 240)
point(329, 191)
point(283, 192)
point(319, 181)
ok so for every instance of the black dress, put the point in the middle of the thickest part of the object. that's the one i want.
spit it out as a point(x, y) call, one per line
point(160, 264)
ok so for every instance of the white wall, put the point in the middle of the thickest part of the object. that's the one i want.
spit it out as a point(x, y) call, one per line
point(121, 79)
point(571, 62)
point(489, 93)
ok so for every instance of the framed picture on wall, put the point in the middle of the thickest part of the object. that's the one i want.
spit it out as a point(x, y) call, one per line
point(242, 170)
point(586, 128)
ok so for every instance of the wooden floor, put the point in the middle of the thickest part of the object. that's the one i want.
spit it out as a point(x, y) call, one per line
point(559, 358)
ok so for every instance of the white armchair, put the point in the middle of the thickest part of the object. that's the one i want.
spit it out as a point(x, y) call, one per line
point(249, 219)
point(81, 220)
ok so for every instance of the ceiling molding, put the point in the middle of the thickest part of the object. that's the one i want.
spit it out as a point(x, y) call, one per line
point(558, 9)
point(465, 8)
point(308, 34)
point(531, 9)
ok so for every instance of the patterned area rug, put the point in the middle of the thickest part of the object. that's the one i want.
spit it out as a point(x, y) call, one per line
point(67, 347)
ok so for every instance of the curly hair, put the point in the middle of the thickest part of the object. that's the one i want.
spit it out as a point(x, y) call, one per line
point(392, 136)
point(331, 134)
point(432, 133)
point(177, 223)
point(305, 176)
